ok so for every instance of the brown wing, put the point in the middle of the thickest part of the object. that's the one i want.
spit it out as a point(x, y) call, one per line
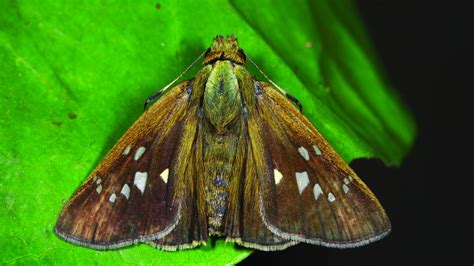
point(137, 192)
point(307, 192)
point(244, 224)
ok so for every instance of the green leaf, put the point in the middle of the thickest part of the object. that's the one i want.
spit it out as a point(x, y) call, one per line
point(75, 75)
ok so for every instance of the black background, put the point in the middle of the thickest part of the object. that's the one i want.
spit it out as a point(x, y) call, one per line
point(423, 47)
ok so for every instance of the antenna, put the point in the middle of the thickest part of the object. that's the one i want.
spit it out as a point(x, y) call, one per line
point(282, 91)
point(157, 94)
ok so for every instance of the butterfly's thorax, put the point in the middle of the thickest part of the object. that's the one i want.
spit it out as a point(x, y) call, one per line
point(222, 103)
point(222, 108)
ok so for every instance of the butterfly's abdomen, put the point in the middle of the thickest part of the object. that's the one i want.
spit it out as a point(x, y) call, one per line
point(219, 155)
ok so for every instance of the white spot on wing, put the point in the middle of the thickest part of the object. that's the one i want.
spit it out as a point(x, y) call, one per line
point(95, 178)
point(98, 188)
point(317, 190)
point(350, 178)
point(112, 198)
point(140, 180)
point(98, 181)
point(331, 197)
point(302, 181)
point(164, 175)
point(127, 149)
point(345, 188)
point(317, 150)
point(304, 153)
point(140, 151)
point(346, 181)
point(277, 175)
point(125, 191)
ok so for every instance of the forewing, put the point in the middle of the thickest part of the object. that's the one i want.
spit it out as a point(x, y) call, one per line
point(136, 192)
point(308, 193)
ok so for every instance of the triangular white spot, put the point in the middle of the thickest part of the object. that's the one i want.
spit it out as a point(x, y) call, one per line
point(317, 150)
point(125, 191)
point(127, 149)
point(317, 190)
point(302, 181)
point(98, 188)
point(277, 175)
point(140, 151)
point(112, 198)
point(345, 188)
point(164, 175)
point(304, 153)
point(140, 180)
point(331, 197)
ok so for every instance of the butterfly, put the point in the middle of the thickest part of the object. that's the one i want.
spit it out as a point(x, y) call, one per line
point(225, 155)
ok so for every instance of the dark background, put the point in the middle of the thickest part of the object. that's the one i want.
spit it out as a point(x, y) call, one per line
point(423, 47)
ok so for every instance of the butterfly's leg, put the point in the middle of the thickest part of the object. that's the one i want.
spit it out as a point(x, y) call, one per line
point(294, 100)
point(153, 97)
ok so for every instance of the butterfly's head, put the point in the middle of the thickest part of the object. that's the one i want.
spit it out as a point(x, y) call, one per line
point(224, 49)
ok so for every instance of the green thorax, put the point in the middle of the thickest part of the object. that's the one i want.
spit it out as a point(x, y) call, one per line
point(222, 102)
